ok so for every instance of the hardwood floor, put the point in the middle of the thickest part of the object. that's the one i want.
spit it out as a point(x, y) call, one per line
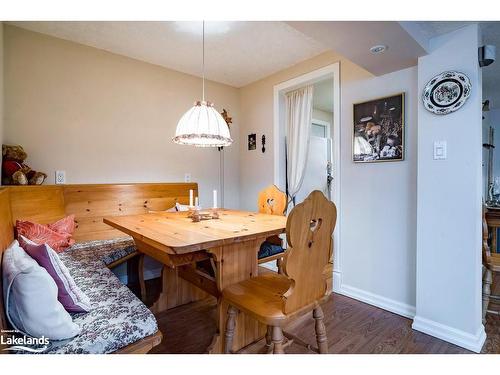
point(352, 327)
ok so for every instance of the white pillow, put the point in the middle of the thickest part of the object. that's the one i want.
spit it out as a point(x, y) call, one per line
point(30, 296)
point(181, 207)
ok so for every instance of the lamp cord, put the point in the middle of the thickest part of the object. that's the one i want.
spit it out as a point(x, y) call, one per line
point(203, 60)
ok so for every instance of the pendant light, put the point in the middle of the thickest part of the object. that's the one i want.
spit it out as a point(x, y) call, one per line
point(202, 125)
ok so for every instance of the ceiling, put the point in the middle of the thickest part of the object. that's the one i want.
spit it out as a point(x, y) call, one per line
point(237, 53)
point(354, 40)
point(323, 95)
point(490, 32)
point(241, 52)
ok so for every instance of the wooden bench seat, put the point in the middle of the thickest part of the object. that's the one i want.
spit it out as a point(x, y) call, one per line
point(117, 319)
point(90, 203)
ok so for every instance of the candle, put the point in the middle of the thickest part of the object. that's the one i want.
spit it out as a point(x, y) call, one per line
point(215, 199)
point(191, 198)
point(196, 202)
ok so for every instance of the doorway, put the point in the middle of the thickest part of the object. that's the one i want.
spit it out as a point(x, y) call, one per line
point(323, 163)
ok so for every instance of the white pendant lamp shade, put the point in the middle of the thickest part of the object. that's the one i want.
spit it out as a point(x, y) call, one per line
point(202, 126)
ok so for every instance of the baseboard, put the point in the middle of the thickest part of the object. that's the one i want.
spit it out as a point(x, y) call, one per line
point(337, 281)
point(450, 334)
point(377, 300)
point(152, 273)
point(148, 275)
point(272, 265)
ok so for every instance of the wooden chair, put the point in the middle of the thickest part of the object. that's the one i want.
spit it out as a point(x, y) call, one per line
point(491, 265)
point(274, 299)
point(272, 201)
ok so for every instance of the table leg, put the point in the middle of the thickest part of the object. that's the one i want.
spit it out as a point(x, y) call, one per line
point(140, 275)
point(175, 291)
point(235, 263)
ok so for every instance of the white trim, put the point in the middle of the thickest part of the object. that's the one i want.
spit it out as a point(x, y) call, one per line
point(337, 281)
point(450, 334)
point(385, 303)
point(149, 274)
point(152, 273)
point(320, 122)
point(324, 124)
point(294, 83)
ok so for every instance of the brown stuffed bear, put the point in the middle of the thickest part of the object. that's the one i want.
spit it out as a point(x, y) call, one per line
point(14, 171)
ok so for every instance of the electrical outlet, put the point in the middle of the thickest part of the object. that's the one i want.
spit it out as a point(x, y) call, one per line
point(187, 177)
point(60, 177)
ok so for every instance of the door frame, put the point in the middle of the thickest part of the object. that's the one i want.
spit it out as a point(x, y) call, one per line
point(329, 71)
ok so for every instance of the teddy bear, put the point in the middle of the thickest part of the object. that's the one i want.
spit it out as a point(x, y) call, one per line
point(14, 171)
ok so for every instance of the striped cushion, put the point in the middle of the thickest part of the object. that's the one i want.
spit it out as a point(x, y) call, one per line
point(69, 294)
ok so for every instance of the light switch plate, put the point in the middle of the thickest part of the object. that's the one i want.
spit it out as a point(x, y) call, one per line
point(187, 177)
point(440, 152)
point(60, 177)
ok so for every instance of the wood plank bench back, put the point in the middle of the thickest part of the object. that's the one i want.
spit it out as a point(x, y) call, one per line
point(88, 202)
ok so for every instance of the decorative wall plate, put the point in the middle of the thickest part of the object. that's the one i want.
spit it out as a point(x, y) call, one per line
point(446, 92)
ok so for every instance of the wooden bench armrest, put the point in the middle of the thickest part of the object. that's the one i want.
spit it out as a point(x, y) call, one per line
point(142, 346)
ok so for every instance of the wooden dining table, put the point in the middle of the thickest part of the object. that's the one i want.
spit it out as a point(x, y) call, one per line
point(229, 244)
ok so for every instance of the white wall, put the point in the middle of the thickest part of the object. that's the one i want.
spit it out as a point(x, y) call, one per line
point(379, 204)
point(449, 202)
point(256, 108)
point(378, 219)
point(106, 118)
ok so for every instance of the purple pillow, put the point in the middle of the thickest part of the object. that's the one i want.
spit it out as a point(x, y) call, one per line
point(70, 296)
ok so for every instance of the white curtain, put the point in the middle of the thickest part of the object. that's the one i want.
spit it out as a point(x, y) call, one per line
point(298, 131)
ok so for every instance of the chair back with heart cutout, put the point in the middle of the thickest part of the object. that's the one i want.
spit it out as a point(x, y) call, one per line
point(309, 232)
point(272, 201)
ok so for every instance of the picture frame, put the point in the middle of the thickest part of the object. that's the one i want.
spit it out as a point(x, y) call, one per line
point(378, 133)
point(252, 142)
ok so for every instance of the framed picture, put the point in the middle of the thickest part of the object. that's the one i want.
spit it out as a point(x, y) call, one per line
point(379, 130)
point(252, 141)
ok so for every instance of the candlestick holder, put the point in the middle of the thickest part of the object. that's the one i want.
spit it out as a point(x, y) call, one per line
point(198, 215)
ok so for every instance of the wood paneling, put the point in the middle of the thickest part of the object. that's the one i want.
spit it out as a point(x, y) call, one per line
point(42, 204)
point(91, 202)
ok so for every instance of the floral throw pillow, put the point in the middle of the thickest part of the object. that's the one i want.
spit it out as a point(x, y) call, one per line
point(43, 234)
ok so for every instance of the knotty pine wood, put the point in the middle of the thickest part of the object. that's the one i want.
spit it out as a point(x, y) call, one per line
point(91, 202)
point(174, 291)
point(272, 201)
point(176, 233)
point(235, 263)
